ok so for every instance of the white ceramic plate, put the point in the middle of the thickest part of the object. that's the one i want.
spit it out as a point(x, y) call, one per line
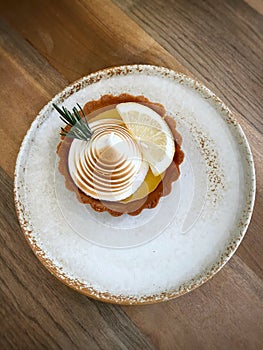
point(163, 252)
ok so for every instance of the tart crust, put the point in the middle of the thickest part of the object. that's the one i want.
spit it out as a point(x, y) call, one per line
point(152, 199)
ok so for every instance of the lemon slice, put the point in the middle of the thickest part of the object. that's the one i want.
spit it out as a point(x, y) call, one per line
point(151, 132)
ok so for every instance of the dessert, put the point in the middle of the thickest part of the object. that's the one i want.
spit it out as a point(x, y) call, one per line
point(119, 154)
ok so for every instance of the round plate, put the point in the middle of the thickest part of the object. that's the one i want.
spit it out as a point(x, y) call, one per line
point(163, 252)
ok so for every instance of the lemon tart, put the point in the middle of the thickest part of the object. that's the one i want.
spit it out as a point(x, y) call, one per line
point(128, 159)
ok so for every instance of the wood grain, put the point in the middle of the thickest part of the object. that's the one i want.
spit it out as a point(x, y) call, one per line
point(97, 35)
point(24, 71)
point(231, 40)
point(256, 4)
point(46, 44)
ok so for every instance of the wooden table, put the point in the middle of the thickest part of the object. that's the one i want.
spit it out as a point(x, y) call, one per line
point(47, 44)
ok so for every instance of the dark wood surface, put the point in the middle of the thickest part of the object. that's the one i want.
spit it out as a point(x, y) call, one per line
point(46, 44)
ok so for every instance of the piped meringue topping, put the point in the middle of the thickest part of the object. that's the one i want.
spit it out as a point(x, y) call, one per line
point(110, 166)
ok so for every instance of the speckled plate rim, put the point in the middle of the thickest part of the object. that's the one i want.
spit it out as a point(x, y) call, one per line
point(199, 279)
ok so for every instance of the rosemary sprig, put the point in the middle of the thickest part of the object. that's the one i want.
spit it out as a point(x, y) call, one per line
point(79, 124)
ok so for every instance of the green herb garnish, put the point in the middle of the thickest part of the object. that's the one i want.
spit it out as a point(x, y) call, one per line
point(79, 124)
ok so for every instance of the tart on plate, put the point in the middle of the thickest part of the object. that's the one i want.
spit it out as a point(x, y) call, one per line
point(120, 154)
point(166, 251)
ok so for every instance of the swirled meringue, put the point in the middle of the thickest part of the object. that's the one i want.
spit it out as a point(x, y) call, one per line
point(110, 166)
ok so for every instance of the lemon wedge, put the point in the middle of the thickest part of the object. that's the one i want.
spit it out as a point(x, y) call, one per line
point(151, 132)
